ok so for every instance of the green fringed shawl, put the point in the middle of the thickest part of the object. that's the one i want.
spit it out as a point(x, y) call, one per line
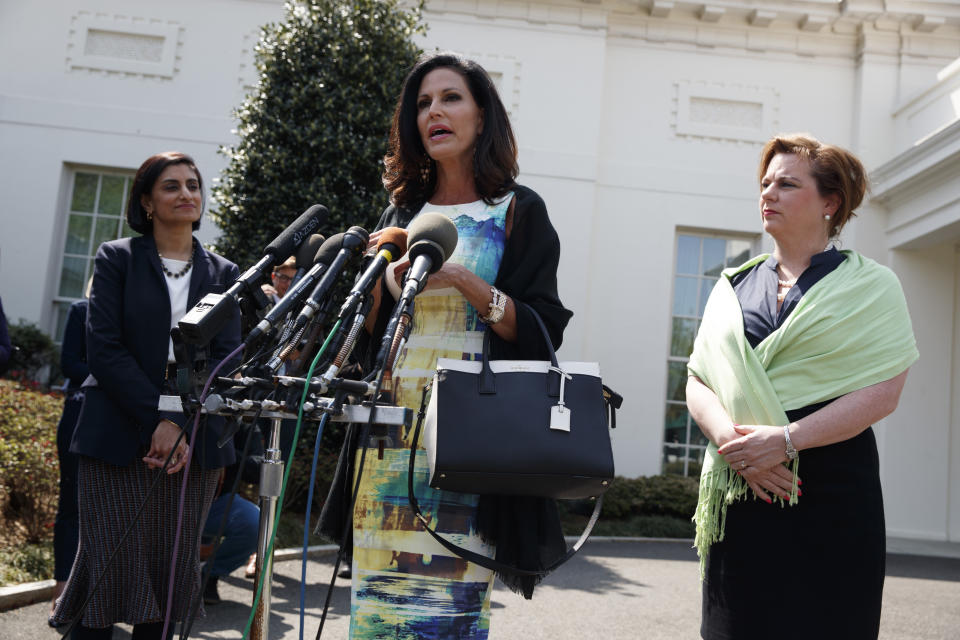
point(849, 331)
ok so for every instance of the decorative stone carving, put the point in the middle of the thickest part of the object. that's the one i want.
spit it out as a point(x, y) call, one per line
point(725, 112)
point(117, 44)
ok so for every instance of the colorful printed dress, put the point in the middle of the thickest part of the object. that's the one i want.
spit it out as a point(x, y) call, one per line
point(405, 584)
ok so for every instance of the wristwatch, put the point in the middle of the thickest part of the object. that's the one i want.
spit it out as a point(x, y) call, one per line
point(791, 451)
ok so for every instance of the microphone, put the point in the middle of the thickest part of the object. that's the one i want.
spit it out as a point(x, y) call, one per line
point(433, 238)
point(296, 293)
point(393, 242)
point(305, 256)
point(336, 251)
point(203, 322)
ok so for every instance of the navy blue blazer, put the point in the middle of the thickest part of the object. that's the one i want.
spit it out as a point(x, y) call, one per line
point(128, 335)
point(73, 349)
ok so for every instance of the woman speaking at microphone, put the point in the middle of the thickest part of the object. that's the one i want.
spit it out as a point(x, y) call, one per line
point(141, 287)
point(452, 151)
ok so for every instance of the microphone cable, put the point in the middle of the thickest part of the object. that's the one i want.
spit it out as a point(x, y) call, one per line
point(183, 488)
point(348, 524)
point(218, 539)
point(283, 486)
point(306, 522)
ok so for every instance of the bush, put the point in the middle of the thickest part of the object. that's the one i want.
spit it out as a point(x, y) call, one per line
point(35, 357)
point(664, 495)
point(26, 563)
point(315, 128)
point(29, 468)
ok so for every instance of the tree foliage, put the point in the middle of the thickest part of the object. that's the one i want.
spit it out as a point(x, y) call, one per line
point(315, 128)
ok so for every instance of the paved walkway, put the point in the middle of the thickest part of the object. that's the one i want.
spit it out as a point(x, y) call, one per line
point(611, 591)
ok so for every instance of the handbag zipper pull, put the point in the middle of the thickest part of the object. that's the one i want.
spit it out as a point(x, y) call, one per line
point(559, 414)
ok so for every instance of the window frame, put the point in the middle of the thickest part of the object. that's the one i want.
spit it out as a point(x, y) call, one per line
point(687, 451)
point(60, 304)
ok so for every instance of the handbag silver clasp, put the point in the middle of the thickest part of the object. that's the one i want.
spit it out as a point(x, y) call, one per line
point(559, 414)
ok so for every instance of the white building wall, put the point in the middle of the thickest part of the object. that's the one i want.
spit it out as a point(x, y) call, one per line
point(635, 120)
point(54, 115)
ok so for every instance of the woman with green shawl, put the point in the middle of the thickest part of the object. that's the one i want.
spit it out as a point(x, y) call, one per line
point(799, 352)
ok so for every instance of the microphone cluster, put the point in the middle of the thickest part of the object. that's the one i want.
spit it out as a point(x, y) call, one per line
point(300, 317)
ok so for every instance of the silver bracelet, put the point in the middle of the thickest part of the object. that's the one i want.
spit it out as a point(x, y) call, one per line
point(791, 451)
point(497, 307)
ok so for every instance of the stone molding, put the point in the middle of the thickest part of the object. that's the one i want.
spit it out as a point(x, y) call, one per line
point(920, 190)
point(125, 45)
point(725, 111)
point(809, 28)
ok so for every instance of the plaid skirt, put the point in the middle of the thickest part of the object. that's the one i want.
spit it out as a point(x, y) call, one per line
point(134, 589)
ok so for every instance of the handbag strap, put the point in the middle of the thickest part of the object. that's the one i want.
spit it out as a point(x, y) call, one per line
point(466, 554)
point(487, 379)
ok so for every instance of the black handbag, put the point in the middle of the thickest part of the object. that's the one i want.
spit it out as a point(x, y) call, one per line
point(518, 427)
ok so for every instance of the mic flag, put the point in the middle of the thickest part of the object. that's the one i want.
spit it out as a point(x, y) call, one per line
point(203, 322)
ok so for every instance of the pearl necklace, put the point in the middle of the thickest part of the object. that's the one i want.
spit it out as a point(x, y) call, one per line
point(788, 284)
point(186, 267)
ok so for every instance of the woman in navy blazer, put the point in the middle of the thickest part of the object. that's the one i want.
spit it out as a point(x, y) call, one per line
point(141, 287)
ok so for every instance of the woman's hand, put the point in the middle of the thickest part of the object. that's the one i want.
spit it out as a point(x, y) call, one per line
point(759, 446)
point(162, 443)
point(777, 480)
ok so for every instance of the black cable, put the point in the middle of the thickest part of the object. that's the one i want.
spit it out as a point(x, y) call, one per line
point(348, 525)
point(245, 454)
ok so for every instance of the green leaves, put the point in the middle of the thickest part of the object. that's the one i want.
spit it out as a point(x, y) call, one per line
point(29, 468)
point(315, 128)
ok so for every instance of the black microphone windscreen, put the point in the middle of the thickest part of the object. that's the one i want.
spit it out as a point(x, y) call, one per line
point(329, 249)
point(395, 236)
point(293, 236)
point(435, 227)
point(356, 239)
point(307, 251)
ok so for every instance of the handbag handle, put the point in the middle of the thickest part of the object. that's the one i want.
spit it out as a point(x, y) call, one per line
point(472, 556)
point(487, 380)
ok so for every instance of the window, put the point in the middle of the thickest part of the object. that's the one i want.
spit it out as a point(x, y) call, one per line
point(94, 215)
point(700, 258)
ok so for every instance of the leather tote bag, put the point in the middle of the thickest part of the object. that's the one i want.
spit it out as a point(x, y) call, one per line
point(517, 427)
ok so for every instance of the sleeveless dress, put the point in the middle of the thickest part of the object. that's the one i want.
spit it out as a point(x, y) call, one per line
point(405, 584)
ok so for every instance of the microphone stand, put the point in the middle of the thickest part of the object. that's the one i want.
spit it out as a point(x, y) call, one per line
point(271, 482)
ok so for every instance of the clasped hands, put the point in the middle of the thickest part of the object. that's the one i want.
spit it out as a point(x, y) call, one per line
point(162, 443)
point(757, 453)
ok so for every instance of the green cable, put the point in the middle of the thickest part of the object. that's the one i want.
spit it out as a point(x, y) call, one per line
point(286, 476)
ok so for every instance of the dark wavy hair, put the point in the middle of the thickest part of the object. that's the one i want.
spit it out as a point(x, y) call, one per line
point(495, 158)
point(143, 183)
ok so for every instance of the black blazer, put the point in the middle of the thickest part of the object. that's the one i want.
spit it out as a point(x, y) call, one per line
point(128, 334)
point(73, 350)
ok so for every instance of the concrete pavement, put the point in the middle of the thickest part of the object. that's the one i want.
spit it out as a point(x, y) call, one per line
point(611, 591)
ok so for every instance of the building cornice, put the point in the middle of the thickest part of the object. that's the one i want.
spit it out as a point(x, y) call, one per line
point(809, 28)
point(898, 179)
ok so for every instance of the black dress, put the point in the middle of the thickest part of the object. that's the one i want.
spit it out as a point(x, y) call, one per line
point(816, 569)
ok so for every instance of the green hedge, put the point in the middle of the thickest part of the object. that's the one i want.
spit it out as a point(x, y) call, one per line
point(29, 468)
point(35, 356)
point(665, 495)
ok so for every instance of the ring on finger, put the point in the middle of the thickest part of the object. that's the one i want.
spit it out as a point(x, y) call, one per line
point(743, 465)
